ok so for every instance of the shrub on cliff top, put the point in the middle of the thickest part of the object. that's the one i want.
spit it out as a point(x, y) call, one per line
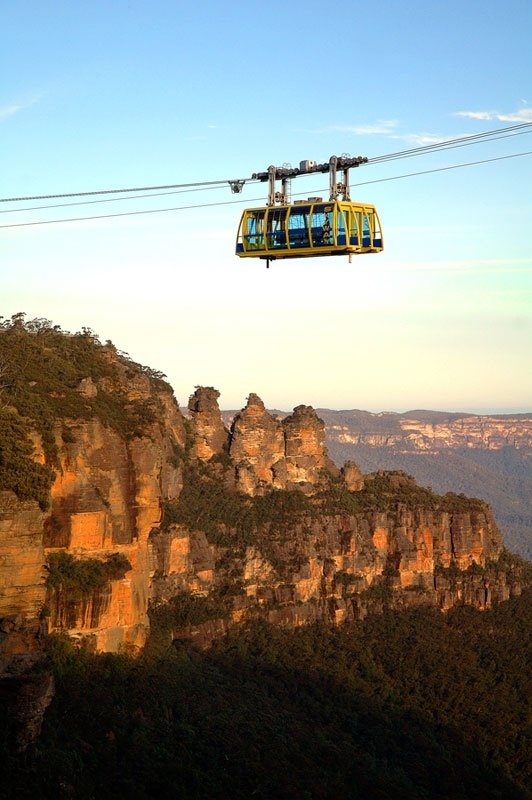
point(18, 471)
point(83, 576)
point(41, 368)
point(382, 493)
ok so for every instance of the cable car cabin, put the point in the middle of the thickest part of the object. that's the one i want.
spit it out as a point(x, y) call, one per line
point(309, 228)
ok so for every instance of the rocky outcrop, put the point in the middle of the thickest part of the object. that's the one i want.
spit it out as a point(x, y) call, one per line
point(269, 453)
point(182, 561)
point(306, 455)
point(120, 464)
point(22, 590)
point(209, 435)
point(257, 447)
point(353, 477)
point(106, 498)
point(111, 489)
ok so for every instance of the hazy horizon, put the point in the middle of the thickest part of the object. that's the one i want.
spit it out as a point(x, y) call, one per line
point(479, 411)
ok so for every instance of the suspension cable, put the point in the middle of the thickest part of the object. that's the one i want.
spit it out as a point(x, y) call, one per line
point(258, 200)
point(425, 149)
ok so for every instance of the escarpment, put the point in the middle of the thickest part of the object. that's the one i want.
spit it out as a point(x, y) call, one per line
point(119, 513)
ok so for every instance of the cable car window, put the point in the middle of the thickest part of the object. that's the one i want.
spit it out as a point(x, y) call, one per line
point(366, 232)
point(341, 228)
point(298, 226)
point(354, 220)
point(322, 225)
point(276, 234)
point(254, 238)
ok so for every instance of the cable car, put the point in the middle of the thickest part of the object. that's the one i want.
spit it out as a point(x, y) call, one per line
point(311, 227)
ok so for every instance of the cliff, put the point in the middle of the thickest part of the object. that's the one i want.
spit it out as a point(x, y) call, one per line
point(424, 431)
point(484, 456)
point(117, 512)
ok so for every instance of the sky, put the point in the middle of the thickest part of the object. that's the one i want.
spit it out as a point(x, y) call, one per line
point(131, 93)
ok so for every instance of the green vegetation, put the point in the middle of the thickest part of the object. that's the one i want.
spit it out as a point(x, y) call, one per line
point(41, 369)
point(234, 520)
point(385, 491)
point(81, 577)
point(378, 592)
point(515, 569)
point(406, 705)
point(18, 471)
point(185, 609)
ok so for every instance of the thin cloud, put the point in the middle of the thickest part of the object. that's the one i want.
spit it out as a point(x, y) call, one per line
point(9, 111)
point(521, 115)
point(380, 127)
point(423, 139)
point(14, 108)
point(389, 129)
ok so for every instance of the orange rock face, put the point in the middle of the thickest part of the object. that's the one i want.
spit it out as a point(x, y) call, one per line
point(23, 667)
point(209, 432)
point(256, 446)
point(22, 589)
point(305, 446)
point(269, 453)
point(107, 497)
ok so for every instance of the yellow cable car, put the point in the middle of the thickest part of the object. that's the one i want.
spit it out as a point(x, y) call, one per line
point(310, 227)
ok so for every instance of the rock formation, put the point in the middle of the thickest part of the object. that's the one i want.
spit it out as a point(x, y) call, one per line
point(209, 432)
point(353, 477)
point(306, 455)
point(257, 447)
point(269, 453)
point(258, 520)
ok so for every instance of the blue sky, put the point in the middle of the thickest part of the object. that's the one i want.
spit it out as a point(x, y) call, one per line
point(117, 94)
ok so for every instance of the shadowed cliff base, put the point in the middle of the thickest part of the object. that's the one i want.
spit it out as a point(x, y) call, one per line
point(408, 705)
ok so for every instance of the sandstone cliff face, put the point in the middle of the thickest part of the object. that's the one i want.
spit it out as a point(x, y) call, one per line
point(306, 455)
point(411, 433)
point(257, 447)
point(106, 498)
point(26, 684)
point(109, 495)
point(22, 590)
point(341, 566)
point(209, 432)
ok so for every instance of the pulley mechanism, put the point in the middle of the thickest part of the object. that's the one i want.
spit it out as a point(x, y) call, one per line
point(338, 189)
